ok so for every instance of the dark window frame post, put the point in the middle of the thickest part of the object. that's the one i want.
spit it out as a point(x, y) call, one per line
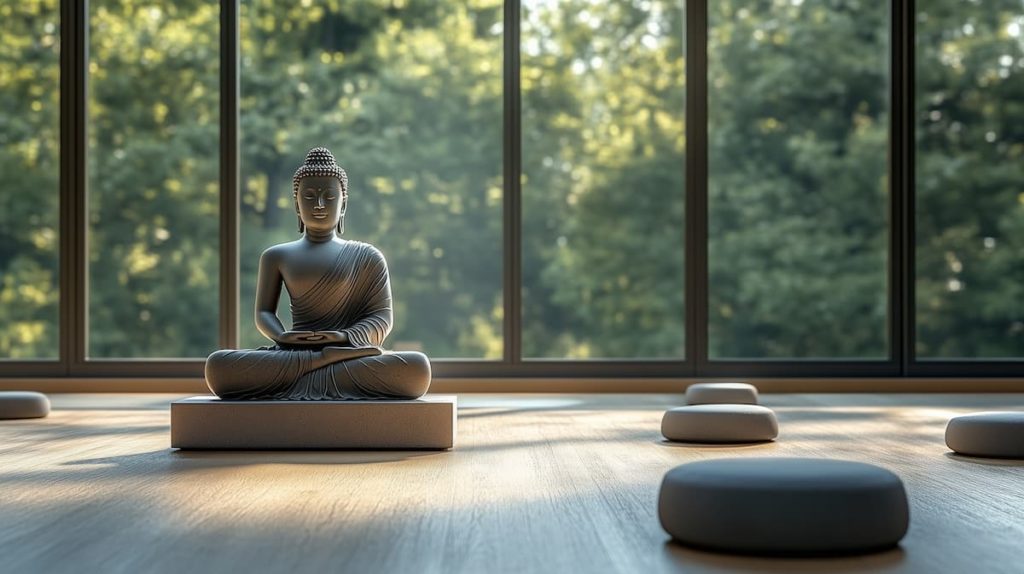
point(229, 176)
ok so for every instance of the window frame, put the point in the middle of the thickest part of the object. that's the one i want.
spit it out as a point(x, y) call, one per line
point(901, 360)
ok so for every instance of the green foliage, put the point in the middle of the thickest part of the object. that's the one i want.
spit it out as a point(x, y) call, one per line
point(409, 97)
point(603, 192)
point(153, 178)
point(29, 176)
point(970, 179)
point(797, 186)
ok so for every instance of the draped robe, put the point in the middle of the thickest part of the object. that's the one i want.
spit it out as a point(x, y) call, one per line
point(354, 297)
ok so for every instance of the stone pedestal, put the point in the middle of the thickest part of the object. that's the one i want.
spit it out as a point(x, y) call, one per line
point(207, 422)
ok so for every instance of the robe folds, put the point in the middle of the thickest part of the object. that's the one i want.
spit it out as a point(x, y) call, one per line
point(353, 297)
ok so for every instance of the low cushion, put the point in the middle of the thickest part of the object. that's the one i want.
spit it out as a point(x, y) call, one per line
point(716, 393)
point(784, 506)
point(997, 434)
point(23, 405)
point(720, 424)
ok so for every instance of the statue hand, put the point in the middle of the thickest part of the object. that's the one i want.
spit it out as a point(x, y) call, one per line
point(298, 338)
point(333, 337)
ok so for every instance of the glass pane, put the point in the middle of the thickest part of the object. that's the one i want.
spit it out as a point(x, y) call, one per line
point(798, 191)
point(29, 178)
point(153, 178)
point(970, 179)
point(603, 179)
point(409, 100)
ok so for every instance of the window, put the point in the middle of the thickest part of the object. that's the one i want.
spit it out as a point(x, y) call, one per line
point(410, 102)
point(798, 190)
point(969, 111)
point(580, 188)
point(603, 144)
point(153, 178)
point(29, 184)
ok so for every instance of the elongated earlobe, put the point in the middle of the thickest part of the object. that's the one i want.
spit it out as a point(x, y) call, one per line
point(341, 218)
point(302, 226)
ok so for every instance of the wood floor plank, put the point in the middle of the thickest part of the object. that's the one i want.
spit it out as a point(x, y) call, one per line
point(536, 483)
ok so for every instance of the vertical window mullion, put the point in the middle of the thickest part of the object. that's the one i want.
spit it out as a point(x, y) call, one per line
point(512, 198)
point(696, 184)
point(229, 92)
point(73, 251)
point(901, 185)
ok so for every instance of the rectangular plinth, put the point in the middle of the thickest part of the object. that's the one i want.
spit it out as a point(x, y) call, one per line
point(206, 422)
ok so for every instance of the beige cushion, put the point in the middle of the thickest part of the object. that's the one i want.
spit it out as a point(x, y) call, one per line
point(718, 393)
point(720, 424)
point(997, 434)
point(23, 405)
point(784, 506)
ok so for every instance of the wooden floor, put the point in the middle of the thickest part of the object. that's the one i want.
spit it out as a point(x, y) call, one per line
point(537, 483)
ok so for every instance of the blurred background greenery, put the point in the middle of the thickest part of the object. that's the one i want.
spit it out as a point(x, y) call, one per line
point(408, 95)
point(29, 178)
point(797, 191)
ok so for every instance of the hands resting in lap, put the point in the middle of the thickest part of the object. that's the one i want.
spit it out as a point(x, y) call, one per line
point(338, 342)
point(307, 338)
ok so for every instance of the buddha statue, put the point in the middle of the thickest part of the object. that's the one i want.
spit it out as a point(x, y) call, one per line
point(341, 309)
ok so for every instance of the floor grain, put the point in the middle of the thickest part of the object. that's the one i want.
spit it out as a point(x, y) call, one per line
point(537, 483)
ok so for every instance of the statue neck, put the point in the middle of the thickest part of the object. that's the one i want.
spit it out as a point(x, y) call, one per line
point(316, 236)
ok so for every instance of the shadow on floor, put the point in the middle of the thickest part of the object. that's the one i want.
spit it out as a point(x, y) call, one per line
point(984, 460)
point(163, 406)
point(827, 414)
point(188, 459)
point(812, 401)
point(689, 559)
point(491, 406)
point(170, 462)
point(45, 430)
point(714, 446)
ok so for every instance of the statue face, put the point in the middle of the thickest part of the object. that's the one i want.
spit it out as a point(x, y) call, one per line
point(319, 202)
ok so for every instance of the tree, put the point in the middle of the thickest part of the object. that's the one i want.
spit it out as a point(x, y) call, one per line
point(29, 168)
point(408, 95)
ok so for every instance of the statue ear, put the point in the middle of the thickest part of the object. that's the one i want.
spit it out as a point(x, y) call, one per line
point(302, 226)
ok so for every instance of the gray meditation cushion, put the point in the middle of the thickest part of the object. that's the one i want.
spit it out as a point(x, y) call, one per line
point(23, 405)
point(998, 434)
point(784, 506)
point(720, 424)
point(721, 393)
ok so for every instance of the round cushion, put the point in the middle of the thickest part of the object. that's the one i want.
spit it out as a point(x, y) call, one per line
point(23, 405)
point(784, 506)
point(716, 393)
point(720, 424)
point(997, 434)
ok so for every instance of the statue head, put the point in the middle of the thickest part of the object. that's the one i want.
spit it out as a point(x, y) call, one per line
point(320, 190)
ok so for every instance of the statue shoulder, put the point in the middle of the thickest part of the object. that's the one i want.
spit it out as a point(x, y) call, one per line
point(274, 254)
point(367, 250)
